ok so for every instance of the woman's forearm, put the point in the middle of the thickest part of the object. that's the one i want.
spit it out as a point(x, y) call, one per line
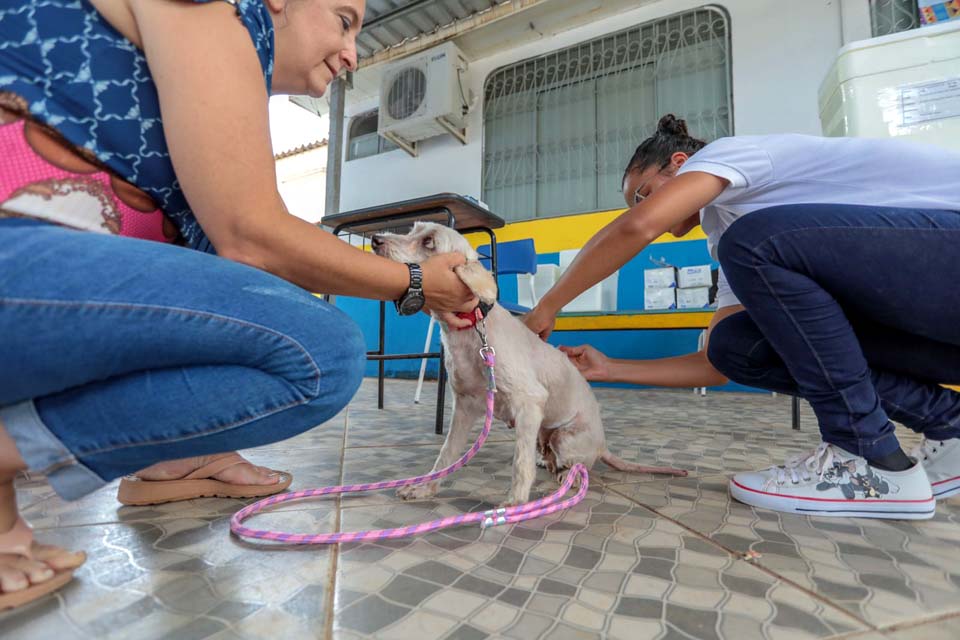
point(608, 250)
point(618, 242)
point(309, 257)
point(690, 370)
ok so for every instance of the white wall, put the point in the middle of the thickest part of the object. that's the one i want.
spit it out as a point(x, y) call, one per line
point(302, 181)
point(781, 51)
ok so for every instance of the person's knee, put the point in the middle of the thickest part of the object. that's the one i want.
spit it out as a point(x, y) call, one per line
point(350, 363)
point(719, 348)
point(737, 349)
point(339, 350)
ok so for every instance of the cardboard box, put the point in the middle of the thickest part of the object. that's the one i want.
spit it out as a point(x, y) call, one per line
point(697, 276)
point(695, 298)
point(659, 298)
point(659, 278)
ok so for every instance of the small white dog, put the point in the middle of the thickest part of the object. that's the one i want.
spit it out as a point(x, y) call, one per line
point(538, 390)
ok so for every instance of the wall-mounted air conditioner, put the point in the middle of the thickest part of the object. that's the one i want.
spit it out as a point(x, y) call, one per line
point(424, 96)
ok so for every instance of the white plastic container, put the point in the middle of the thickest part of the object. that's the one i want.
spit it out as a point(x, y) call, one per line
point(545, 277)
point(600, 297)
point(903, 84)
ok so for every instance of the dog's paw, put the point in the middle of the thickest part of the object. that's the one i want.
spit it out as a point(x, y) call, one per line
point(562, 477)
point(419, 491)
point(514, 500)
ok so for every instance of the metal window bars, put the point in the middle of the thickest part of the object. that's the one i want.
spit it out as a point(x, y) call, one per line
point(893, 16)
point(560, 128)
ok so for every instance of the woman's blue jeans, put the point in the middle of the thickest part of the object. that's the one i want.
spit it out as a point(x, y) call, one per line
point(118, 353)
point(854, 308)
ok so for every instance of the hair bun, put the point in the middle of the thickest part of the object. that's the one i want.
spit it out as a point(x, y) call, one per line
point(671, 125)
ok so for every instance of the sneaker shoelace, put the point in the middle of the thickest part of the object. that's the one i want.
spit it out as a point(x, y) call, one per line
point(926, 449)
point(800, 467)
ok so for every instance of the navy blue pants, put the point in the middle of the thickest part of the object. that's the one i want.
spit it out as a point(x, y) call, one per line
point(854, 308)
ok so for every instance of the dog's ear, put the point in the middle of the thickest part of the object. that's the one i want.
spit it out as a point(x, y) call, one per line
point(479, 280)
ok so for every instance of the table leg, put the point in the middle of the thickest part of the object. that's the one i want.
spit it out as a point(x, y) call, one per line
point(381, 350)
point(796, 413)
point(441, 393)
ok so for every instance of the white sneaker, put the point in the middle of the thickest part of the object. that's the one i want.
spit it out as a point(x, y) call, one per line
point(941, 459)
point(831, 482)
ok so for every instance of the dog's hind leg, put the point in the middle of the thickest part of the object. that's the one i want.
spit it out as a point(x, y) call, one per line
point(546, 458)
point(529, 419)
point(465, 413)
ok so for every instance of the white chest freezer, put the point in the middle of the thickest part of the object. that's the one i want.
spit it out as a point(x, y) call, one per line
point(903, 84)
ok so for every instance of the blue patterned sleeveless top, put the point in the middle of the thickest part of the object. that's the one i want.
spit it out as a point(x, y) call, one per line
point(80, 76)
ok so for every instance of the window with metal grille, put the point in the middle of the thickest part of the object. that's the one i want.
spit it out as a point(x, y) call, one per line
point(363, 139)
point(893, 16)
point(560, 128)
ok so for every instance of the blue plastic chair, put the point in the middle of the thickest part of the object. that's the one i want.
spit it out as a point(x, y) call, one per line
point(516, 257)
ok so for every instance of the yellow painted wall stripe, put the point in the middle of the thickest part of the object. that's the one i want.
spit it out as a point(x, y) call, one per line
point(624, 321)
point(568, 232)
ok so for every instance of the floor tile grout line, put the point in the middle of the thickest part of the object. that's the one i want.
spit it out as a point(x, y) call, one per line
point(739, 556)
point(335, 551)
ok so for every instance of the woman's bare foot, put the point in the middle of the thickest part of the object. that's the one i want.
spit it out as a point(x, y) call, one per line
point(16, 571)
point(246, 474)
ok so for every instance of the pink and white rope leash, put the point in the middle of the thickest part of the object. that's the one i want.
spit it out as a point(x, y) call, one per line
point(508, 515)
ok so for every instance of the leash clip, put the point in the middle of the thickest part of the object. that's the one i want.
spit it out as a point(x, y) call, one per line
point(481, 329)
point(491, 522)
point(488, 355)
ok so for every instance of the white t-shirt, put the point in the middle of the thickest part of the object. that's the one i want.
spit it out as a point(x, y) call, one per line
point(765, 171)
point(725, 295)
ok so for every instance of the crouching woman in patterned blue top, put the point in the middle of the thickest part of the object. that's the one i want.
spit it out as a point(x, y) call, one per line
point(154, 305)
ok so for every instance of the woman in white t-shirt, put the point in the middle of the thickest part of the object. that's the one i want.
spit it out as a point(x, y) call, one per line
point(829, 244)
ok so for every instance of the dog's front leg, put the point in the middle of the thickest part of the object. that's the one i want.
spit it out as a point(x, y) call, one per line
point(528, 421)
point(465, 413)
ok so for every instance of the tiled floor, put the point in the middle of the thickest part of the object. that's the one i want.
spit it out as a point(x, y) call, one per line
point(641, 557)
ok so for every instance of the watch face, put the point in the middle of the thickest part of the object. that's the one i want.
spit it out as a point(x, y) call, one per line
point(411, 304)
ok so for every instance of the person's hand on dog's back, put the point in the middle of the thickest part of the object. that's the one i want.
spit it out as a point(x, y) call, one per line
point(443, 290)
point(591, 363)
point(540, 321)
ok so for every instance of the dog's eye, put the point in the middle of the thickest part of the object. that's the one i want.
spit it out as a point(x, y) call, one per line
point(428, 242)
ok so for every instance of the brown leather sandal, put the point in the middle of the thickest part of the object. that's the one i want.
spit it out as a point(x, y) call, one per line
point(135, 491)
point(19, 541)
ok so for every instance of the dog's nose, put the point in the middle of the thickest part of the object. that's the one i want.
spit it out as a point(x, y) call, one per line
point(376, 242)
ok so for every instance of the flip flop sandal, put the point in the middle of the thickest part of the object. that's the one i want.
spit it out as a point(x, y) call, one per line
point(135, 491)
point(19, 541)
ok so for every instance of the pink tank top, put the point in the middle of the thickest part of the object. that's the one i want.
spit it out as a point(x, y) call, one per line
point(32, 187)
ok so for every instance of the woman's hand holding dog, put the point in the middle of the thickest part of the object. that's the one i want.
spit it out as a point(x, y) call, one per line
point(540, 320)
point(443, 289)
point(591, 364)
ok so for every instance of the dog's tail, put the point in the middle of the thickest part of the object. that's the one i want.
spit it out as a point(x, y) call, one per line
point(620, 464)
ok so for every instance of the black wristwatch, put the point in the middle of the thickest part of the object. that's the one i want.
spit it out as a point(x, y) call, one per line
point(412, 301)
